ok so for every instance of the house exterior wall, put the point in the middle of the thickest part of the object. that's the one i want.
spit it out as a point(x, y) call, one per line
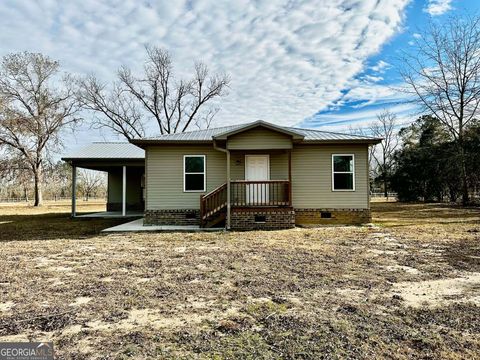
point(312, 193)
point(134, 196)
point(259, 139)
point(312, 178)
point(164, 176)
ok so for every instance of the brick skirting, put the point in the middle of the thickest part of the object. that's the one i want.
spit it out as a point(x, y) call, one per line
point(172, 217)
point(337, 216)
point(262, 218)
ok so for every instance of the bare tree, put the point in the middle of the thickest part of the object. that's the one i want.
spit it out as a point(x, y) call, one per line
point(90, 182)
point(371, 149)
point(384, 127)
point(174, 105)
point(35, 106)
point(444, 77)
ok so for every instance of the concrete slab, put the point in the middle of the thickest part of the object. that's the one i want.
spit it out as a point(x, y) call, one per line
point(111, 215)
point(137, 226)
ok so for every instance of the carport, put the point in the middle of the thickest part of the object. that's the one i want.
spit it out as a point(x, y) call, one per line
point(125, 165)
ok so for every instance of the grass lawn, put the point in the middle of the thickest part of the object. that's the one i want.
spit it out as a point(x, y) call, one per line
point(406, 287)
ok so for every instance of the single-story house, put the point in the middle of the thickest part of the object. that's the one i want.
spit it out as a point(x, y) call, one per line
point(251, 176)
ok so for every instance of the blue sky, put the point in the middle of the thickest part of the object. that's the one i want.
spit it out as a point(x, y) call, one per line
point(374, 88)
point(326, 64)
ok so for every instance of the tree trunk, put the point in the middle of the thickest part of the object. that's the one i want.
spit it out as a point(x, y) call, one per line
point(465, 197)
point(385, 189)
point(38, 179)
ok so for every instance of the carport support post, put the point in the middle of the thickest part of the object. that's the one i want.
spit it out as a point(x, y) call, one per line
point(74, 190)
point(124, 191)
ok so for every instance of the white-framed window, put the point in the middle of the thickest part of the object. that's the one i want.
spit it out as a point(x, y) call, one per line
point(194, 173)
point(343, 172)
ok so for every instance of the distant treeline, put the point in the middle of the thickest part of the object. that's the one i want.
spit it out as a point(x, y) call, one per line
point(427, 165)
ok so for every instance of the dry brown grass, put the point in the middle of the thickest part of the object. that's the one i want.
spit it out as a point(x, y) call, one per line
point(333, 292)
point(51, 221)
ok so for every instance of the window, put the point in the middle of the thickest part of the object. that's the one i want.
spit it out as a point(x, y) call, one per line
point(343, 173)
point(194, 173)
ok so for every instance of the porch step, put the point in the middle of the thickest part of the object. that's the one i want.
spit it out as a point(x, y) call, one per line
point(216, 220)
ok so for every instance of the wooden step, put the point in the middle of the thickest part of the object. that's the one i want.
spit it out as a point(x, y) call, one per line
point(216, 220)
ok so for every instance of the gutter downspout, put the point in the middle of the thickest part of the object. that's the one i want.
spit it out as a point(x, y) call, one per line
point(227, 152)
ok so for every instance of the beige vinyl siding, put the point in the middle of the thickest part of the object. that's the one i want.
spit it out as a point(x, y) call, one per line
point(164, 175)
point(259, 139)
point(312, 177)
point(278, 164)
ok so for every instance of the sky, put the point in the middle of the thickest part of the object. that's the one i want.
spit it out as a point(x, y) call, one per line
point(325, 64)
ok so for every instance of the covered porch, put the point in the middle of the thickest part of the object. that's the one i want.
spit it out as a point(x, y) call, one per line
point(124, 164)
point(259, 185)
point(258, 190)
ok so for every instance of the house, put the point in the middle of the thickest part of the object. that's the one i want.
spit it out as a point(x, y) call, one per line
point(250, 176)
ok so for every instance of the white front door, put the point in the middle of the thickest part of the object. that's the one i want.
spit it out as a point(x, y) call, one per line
point(257, 168)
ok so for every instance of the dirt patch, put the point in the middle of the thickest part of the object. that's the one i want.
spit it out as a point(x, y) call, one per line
point(440, 292)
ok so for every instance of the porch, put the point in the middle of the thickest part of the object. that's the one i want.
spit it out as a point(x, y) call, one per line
point(259, 186)
point(124, 164)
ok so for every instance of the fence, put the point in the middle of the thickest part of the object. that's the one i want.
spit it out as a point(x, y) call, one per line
point(381, 194)
point(54, 199)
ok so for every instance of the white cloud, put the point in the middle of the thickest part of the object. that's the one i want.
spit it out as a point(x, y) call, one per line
point(380, 66)
point(287, 59)
point(438, 7)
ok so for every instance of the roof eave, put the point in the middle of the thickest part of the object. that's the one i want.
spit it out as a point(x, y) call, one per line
point(142, 143)
point(344, 141)
point(67, 159)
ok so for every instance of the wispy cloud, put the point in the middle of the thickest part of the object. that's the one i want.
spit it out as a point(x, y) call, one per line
point(438, 7)
point(287, 59)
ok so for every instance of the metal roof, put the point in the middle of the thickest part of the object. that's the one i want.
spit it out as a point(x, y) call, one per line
point(208, 135)
point(107, 150)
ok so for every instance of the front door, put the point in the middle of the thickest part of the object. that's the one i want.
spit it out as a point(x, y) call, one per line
point(257, 168)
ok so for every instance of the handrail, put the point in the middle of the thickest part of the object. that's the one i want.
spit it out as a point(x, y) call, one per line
point(212, 203)
point(215, 190)
point(259, 181)
point(260, 193)
point(245, 193)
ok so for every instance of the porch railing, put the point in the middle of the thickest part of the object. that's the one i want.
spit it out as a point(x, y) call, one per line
point(244, 193)
point(213, 202)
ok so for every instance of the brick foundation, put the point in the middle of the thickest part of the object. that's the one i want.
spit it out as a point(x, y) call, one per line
point(172, 217)
point(306, 217)
point(274, 219)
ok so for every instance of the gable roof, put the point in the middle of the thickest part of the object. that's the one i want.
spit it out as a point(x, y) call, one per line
point(221, 133)
point(106, 151)
point(259, 123)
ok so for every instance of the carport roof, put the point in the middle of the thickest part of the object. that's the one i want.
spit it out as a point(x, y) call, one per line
point(107, 151)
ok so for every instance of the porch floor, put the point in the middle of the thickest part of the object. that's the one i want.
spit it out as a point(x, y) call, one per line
point(111, 215)
point(137, 226)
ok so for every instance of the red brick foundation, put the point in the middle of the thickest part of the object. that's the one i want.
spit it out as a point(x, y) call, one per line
point(172, 217)
point(311, 217)
point(262, 218)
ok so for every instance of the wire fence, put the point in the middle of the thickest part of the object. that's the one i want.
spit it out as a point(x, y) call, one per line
point(381, 194)
point(50, 199)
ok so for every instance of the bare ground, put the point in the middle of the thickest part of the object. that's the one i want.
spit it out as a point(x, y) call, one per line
point(408, 286)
